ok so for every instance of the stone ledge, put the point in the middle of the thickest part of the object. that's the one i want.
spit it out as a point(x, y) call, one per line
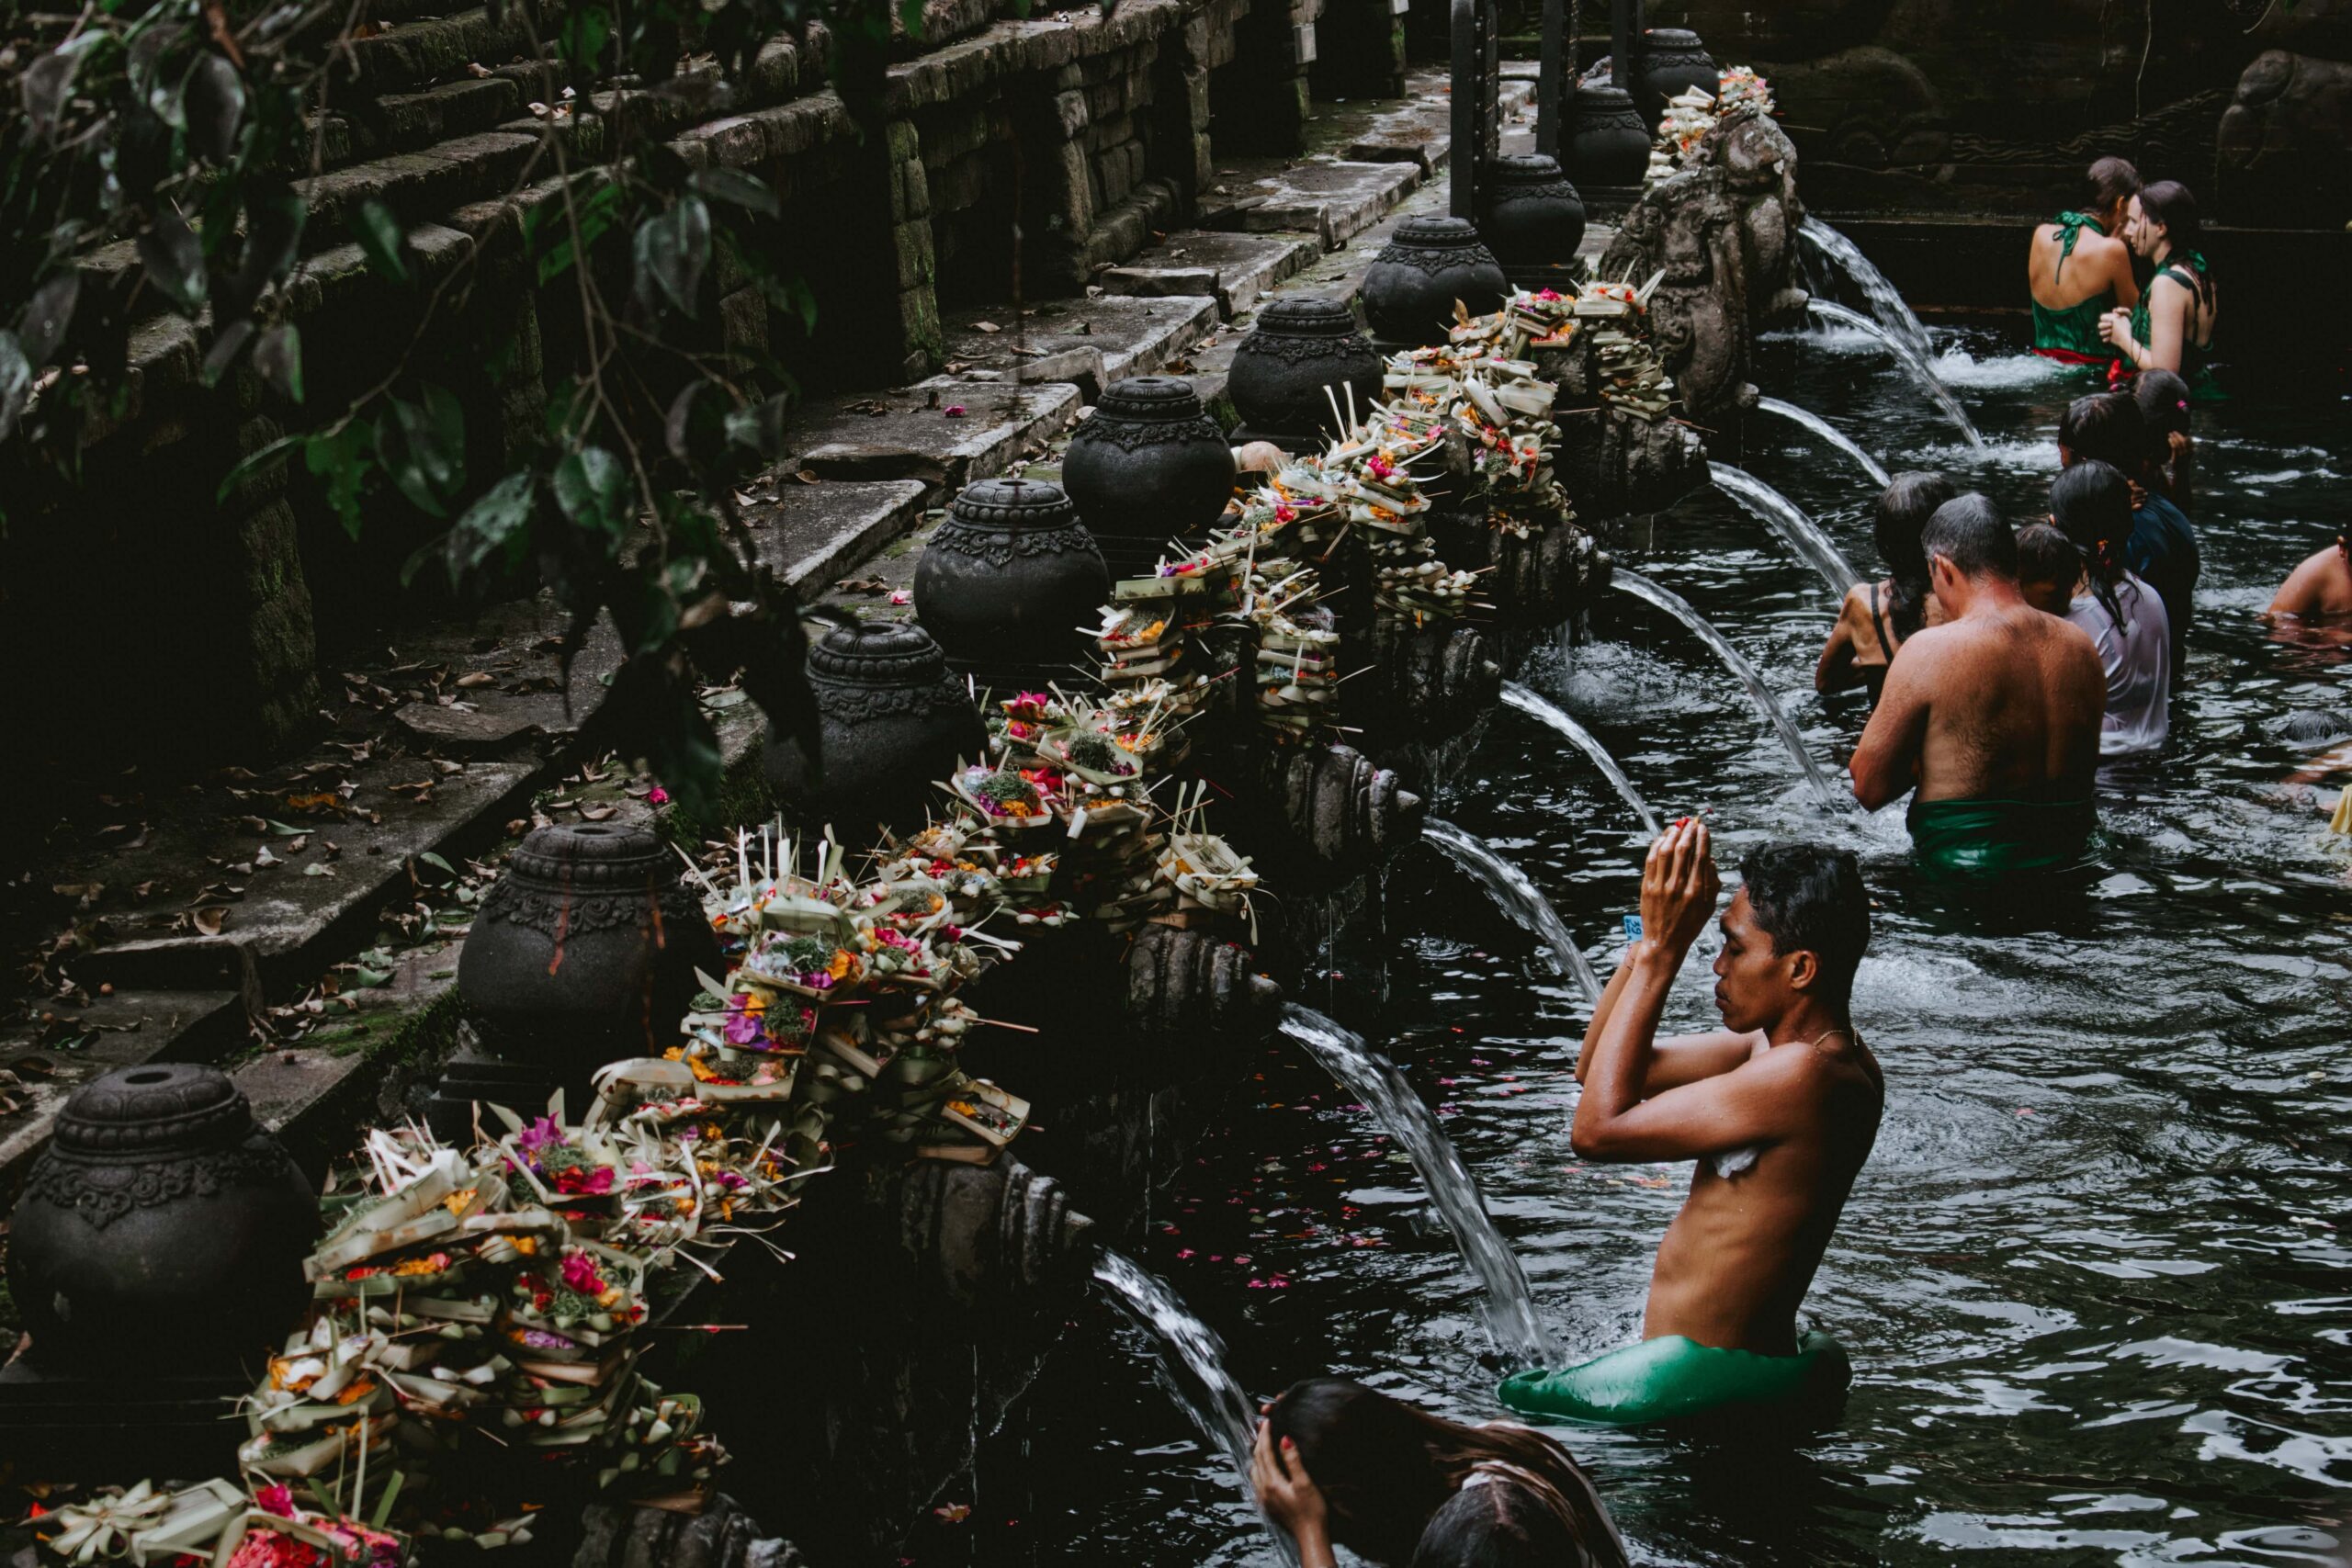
point(1234, 268)
point(910, 437)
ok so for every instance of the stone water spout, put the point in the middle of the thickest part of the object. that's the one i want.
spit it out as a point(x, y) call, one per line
point(985, 1233)
point(1347, 809)
point(1188, 987)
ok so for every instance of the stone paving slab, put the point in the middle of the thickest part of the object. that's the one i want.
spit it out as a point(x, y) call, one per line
point(1334, 199)
point(1087, 343)
point(51, 1059)
point(911, 433)
point(813, 535)
point(1234, 268)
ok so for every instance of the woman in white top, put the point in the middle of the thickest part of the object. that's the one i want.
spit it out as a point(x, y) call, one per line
point(2091, 504)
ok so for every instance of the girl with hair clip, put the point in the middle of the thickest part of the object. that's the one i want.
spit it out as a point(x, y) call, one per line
point(1337, 1462)
point(2091, 504)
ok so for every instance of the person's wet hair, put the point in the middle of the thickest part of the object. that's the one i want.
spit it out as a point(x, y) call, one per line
point(2045, 555)
point(2168, 202)
point(2106, 425)
point(2091, 503)
point(1488, 1527)
point(2163, 400)
point(1904, 508)
point(1386, 1469)
point(1810, 898)
point(2109, 181)
point(1968, 531)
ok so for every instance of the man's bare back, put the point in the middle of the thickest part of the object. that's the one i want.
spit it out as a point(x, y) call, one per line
point(2318, 590)
point(2003, 702)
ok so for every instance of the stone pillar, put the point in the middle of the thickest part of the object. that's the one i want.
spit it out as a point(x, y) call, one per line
point(921, 343)
point(259, 591)
point(1360, 50)
point(1260, 101)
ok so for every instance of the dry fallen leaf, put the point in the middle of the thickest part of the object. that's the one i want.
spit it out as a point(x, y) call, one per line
point(807, 475)
point(596, 813)
point(477, 678)
point(985, 327)
point(210, 919)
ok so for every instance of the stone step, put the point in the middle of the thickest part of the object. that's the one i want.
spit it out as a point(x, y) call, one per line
point(1087, 343)
point(815, 535)
point(914, 433)
point(1232, 269)
point(52, 1058)
point(1333, 199)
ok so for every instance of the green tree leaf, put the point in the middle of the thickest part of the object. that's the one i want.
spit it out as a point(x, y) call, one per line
point(48, 314)
point(586, 28)
point(279, 357)
point(423, 448)
point(591, 487)
point(230, 343)
point(672, 248)
point(342, 459)
point(497, 524)
point(214, 105)
point(382, 240)
point(16, 384)
point(174, 260)
point(742, 189)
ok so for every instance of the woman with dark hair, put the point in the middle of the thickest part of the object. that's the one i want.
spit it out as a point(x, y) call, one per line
point(1337, 1462)
point(2091, 504)
point(2162, 548)
point(2079, 268)
point(2164, 398)
point(1877, 616)
point(2172, 327)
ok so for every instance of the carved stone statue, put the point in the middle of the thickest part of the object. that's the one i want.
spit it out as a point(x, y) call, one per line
point(1687, 226)
point(1759, 166)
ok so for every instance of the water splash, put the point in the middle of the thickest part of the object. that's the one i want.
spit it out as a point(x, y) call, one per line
point(1190, 1365)
point(1516, 895)
point(1788, 520)
point(1674, 604)
point(1831, 310)
point(1886, 302)
point(1372, 1078)
point(1829, 433)
point(1549, 714)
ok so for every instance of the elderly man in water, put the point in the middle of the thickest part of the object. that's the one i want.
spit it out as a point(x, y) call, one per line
point(1993, 718)
point(1779, 1108)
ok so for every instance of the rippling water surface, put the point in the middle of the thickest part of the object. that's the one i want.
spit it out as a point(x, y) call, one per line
point(2095, 1279)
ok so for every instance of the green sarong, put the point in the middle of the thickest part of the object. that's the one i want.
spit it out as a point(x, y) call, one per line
point(1673, 1378)
point(2195, 368)
point(1998, 837)
point(2072, 334)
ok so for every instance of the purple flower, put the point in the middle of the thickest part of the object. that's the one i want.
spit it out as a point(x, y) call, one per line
point(543, 1134)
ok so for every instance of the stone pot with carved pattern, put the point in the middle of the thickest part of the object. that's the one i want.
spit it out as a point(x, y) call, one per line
point(1011, 583)
point(584, 951)
point(1301, 344)
point(1147, 467)
point(161, 1235)
point(892, 722)
point(1429, 266)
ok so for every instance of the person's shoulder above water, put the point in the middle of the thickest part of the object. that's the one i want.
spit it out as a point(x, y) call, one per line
point(2320, 588)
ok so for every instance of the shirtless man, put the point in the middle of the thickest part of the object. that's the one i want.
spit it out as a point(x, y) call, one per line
point(2320, 589)
point(2079, 268)
point(1994, 716)
point(1780, 1108)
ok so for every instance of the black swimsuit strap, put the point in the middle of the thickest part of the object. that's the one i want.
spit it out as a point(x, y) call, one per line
point(1878, 623)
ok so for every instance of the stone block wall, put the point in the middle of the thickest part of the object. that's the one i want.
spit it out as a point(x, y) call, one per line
point(143, 621)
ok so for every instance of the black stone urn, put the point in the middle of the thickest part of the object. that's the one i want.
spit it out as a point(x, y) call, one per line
point(584, 952)
point(1605, 139)
point(1299, 346)
point(159, 1237)
point(1670, 62)
point(1410, 291)
point(1011, 582)
point(894, 722)
point(1534, 219)
point(1149, 466)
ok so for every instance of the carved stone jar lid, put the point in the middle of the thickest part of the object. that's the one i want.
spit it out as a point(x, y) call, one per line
point(1525, 169)
point(588, 854)
point(1435, 234)
point(1600, 100)
point(878, 653)
point(163, 1110)
point(1015, 505)
point(1307, 315)
point(1657, 40)
point(1168, 398)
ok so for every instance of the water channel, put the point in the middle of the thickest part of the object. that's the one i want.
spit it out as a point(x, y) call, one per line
point(2094, 1277)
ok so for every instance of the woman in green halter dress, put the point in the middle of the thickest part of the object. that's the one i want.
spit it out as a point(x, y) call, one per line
point(2095, 276)
point(2172, 327)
